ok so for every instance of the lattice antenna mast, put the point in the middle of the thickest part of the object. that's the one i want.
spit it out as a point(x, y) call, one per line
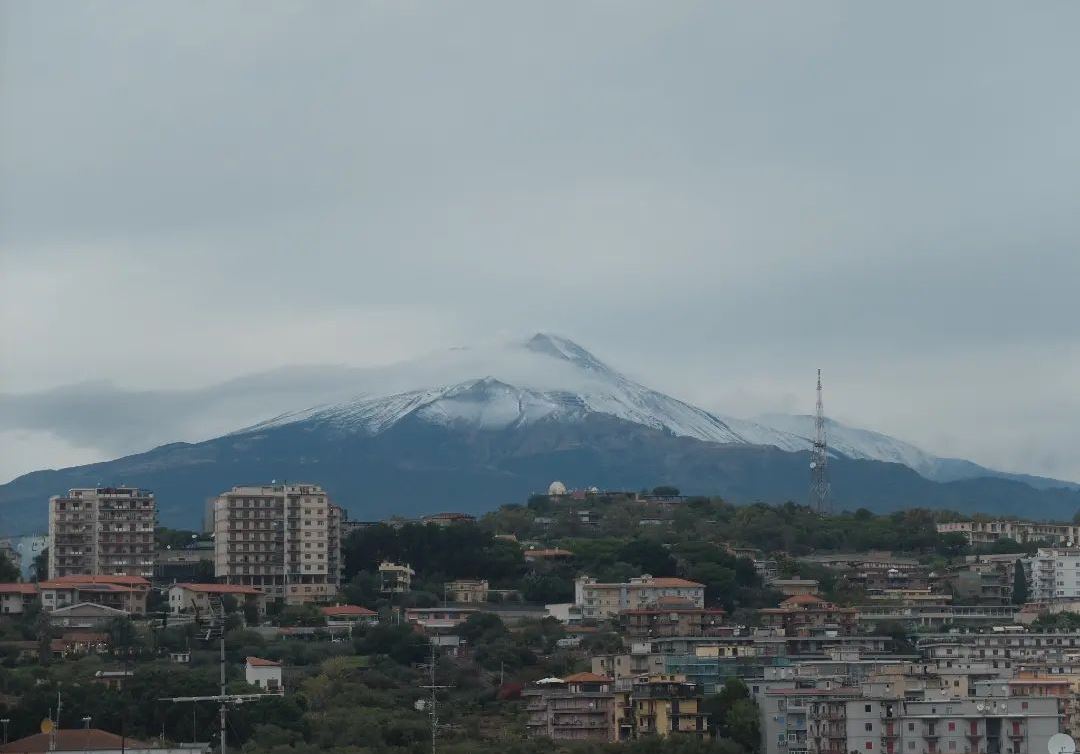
point(820, 489)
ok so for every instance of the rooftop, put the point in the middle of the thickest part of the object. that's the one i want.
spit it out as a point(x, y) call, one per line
point(219, 588)
point(80, 739)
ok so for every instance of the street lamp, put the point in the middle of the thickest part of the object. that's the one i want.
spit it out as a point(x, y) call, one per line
point(5, 722)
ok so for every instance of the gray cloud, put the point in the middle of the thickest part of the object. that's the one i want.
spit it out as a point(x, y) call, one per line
point(719, 199)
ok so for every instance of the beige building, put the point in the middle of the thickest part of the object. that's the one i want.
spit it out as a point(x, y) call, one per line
point(104, 531)
point(395, 578)
point(467, 590)
point(203, 599)
point(601, 601)
point(988, 532)
point(282, 539)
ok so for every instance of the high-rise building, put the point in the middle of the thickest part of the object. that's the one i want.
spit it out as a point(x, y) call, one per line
point(1053, 573)
point(283, 539)
point(103, 531)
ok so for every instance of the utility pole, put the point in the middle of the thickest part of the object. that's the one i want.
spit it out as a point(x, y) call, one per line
point(820, 489)
point(433, 712)
point(221, 709)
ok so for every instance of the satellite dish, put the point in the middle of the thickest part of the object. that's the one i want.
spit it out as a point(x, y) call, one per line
point(1060, 743)
point(813, 464)
point(47, 726)
point(980, 707)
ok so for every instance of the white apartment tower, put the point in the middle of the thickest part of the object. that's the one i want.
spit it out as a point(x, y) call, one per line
point(103, 531)
point(1053, 572)
point(282, 539)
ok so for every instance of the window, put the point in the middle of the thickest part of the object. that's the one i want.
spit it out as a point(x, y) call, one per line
point(952, 726)
point(869, 727)
point(911, 744)
point(911, 727)
point(866, 708)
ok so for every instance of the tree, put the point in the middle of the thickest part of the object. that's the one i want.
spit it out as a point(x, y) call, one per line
point(204, 572)
point(8, 571)
point(1020, 585)
point(40, 567)
point(733, 714)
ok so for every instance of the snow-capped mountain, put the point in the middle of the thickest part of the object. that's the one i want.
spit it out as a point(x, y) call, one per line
point(472, 428)
point(548, 377)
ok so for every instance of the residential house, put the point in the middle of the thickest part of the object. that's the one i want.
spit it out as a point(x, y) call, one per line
point(349, 615)
point(466, 590)
point(266, 674)
point(395, 578)
point(200, 599)
point(127, 593)
point(15, 598)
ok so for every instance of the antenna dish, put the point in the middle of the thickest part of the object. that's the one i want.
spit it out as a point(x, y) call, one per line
point(47, 726)
point(1061, 743)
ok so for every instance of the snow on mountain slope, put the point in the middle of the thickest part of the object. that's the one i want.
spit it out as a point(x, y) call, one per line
point(550, 377)
point(853, 442)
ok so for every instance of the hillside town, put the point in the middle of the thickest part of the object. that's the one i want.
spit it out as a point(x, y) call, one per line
point(583, 617)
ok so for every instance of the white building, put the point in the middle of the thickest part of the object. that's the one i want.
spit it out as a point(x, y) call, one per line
point(266, 674)
point(1053, 573)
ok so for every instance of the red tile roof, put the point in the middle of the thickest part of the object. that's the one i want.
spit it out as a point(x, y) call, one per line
point(671, 582)
point(258, 662)
point(80, 739)
point(86, 584)
point(87, 579)
point(10, 588)
point(586, 678)
point(331, 610)
point(803, 599)
point(220, 588)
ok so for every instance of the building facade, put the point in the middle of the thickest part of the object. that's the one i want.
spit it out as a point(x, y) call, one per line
point(282, 539)
point(988, 532)
point(602, 601)
point(107, 531)
point(1053, 573)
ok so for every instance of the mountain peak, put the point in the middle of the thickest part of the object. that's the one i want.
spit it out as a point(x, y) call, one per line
point(566, 350)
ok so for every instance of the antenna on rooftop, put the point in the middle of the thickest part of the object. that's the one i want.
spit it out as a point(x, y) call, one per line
point(820, 489)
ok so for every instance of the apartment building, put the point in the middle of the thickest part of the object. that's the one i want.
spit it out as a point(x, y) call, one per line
point(106, 531)
point(806, 612)
point(673, 618)
point(1053, 573)
point(988, 532)
point(589, 707)
point(580, 707)
point(282, 539)
point(843, 720)
point(663, 705)
point(602, 601)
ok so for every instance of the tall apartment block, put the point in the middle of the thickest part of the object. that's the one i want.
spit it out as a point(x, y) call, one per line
point(282, 539)
point(103, 531)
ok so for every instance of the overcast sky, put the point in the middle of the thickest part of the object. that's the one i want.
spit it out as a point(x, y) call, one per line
point(717, 198)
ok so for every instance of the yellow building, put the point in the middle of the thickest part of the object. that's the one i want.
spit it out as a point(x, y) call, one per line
point(666, 704)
